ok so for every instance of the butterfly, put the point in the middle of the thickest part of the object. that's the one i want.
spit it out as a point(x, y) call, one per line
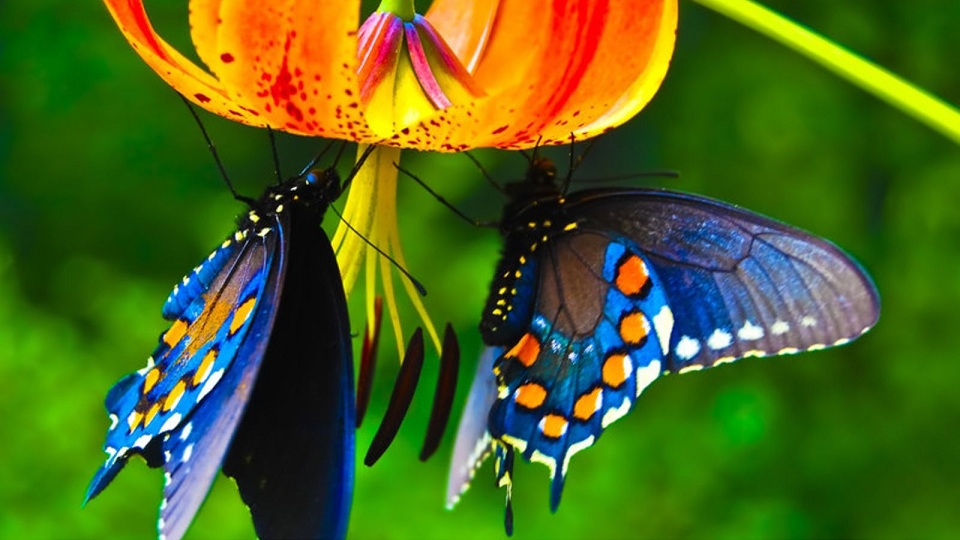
point(254, 375)
point(600, 292)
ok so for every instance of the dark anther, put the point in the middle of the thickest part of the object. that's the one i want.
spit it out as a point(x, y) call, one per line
point(368, 361)
point(400, 399)
point(443, 398)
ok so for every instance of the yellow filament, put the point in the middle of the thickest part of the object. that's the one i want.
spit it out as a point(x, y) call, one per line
point(372, 210)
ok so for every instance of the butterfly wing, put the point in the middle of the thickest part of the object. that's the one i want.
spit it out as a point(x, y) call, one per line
point(649, 281)
point(193, 453)
point(473, 442)
point(194, 355)
point(739, 284)
point(293, 456)
point(595, 342)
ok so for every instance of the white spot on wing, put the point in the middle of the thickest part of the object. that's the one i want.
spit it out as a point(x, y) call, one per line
point(719, 339)
point(688, 369)
point(647, 374)
point(687, 348)
point(779, 328)
point(540, 457)
point(187, 453)
point(516, 442)
point(114, 420)
point(574, 448)
point(185, 434)
point(663, 323)
point(616, 413)
point(142, 441)
point(171, 422)
point(210, 383)
point(750, 332)
point(808, 321)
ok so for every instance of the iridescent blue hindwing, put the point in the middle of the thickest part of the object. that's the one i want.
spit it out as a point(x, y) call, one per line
point(193, 355)
point(194, 451)
point(566, 380)
point(285, 433)
point(623, 285)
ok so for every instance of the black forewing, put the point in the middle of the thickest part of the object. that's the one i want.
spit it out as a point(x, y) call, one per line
point(730, 273)
point(293, 455)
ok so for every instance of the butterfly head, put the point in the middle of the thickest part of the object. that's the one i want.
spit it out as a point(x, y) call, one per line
point(540, 182)
point(323, 184)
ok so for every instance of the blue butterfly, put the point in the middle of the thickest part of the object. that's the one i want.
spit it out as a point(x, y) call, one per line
point(601, 291)
point(255, 375)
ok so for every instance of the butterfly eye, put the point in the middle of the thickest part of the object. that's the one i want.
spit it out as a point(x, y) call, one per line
point(313, 177)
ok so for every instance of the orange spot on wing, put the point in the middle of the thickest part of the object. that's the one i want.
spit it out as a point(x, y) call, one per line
point(553, 426)
point(176, 332)
point(530, 395)
point(634, 328)
point(134, 420)
point(151, 414)
point(204, 369)
point(151, 379)
point(174, 396)
point(616, 369)
point(526, 350)
point(587, 404)
point(241, 315)
point(632, 276)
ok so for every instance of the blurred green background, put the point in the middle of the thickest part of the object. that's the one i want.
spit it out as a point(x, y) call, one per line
point(108, 195)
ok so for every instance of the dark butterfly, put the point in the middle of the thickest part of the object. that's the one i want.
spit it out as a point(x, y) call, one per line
point(601, 291)
point(255, 375)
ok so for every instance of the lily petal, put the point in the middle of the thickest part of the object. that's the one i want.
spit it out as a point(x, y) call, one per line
point(584, 67)
point(293, 62)
point(179, 72)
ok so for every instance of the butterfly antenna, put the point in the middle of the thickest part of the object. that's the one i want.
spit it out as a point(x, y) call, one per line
point(445, 202)
point(532, 157)
point(276, 155)
point(213, 151)
point(356, 167)
point(419, 286)
point(316, 159)
point(490, 180)
point(576, 160)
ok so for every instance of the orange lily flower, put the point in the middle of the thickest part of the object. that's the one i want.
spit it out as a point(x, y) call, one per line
point(488, 73)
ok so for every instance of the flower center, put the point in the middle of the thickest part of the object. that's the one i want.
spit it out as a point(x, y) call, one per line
point(407, 71)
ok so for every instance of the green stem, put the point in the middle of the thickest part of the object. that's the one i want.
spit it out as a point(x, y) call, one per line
point(401, 8)
point(872, 78)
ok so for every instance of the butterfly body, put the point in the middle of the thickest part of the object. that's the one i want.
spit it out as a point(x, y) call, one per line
point(601, 291)
point(254, 374)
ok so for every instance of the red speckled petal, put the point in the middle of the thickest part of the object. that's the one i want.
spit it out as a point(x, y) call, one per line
point(293, 62)
point(180, 73)
point(577, 67)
